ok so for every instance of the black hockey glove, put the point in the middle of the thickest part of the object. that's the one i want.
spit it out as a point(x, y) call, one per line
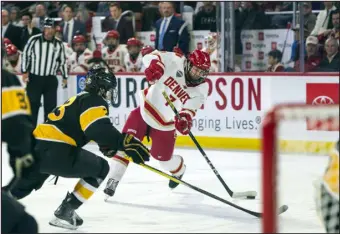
point(107, 151)
point(134, 149)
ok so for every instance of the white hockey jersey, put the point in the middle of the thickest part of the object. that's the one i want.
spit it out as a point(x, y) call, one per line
point(16, 68)
point(134, 66)
point(79, 64)
point(68, 49)
point(115, 59)
point(154, 108)
point(213, 59)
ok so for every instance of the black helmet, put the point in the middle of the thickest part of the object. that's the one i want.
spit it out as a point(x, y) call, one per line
point(102, 82)
point(48, 23)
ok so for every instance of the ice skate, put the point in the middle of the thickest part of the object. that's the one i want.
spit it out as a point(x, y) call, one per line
point(173, 184)
point(65, 215)
point(110, 188)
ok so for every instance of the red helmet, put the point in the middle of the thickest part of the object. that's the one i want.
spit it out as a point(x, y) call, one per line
point(78, 39)
point(112, 34)
point(11, 49)
point(7, 41)
point(197, 67)
point(147, 50)
point(133, 42)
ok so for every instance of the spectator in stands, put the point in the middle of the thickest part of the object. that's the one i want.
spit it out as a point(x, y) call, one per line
point(274, 61)
point(71, 26)
point(323, 19)
point(136, 7)
point(15, 16)
point(54, 12)
point(150, 14)
point(119, 23)
point(281, 20)
point(103, 9)
point(254, 17)
point(312, 59)
point(171, 31)
point(40, 15)
point(8, 30)
point(332, 60)
point(27, 30)
point(206, 18)
point(334, 32)
point(309, 18)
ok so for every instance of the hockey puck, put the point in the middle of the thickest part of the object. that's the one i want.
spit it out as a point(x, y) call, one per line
point(250, 197)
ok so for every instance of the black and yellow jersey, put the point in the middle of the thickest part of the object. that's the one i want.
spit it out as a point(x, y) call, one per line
point(82, 118)
point(16, 120)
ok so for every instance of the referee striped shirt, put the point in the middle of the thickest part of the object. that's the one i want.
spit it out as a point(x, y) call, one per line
point(44, 58)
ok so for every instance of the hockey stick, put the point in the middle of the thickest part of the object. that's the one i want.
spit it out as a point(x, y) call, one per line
point(282, 209)
point(248, 194)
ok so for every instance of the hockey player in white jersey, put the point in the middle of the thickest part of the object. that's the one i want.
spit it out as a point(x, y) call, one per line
point(113, 53)
point(133, 59)
point(13, 60)
point(184, 82)
point(59, 35)
point(211, 49)
point(79, 59)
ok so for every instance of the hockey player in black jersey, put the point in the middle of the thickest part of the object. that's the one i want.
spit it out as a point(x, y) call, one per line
point(16, 131)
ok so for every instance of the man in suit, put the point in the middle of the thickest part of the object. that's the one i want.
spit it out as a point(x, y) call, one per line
point(116, 21)
point(8, 30)
point(40, 15)
point(171, 31)
point(71, 26)
point(27, 30)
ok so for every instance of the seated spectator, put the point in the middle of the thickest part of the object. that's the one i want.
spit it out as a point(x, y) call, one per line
point(15, 16)
point(323, 19)
point(309, 18)
point(206, 18)
point(274, 61)
point(335, 31)
point(312, 60)
point(150, 14)
point(71, 26)
point(9, 30)
point(332, 60)
point(27, 30)
point(116, 22)
point(254, 17)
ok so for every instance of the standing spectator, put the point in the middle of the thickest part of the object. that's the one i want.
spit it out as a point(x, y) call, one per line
point(54, 12)
point(274, 61)
point(312, 59)
point(27, 30)
point(171, 31)
point(334, 32)
point(70, 26)
point(8, 30)
point(40, 15)
point(332, 60)
point(119, 23)
point(206, 18)
point(42, 57)
point(309, 18)
point(15, 16)
point(150, 14)
point(323, 19)
point(254, 17)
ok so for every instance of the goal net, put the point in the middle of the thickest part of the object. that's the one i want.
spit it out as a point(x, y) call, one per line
point(299, 129)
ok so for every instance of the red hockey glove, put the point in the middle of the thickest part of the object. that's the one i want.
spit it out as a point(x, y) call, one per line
point(178, 51)
point(184, 123)
point(155, 71)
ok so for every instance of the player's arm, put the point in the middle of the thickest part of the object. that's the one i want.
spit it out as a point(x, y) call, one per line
point(154, 66)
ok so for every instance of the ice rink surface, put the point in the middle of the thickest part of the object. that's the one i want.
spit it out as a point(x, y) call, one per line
point(144, 203)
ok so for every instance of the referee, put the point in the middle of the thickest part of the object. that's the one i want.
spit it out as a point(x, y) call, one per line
point(42, 57)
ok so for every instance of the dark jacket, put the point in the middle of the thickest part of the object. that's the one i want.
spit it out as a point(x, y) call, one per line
point(205, 20)
point(77, 26)
point(13, 34)
point(332, 66)
point(124, 28)
point(25, 36)
point(172, 37)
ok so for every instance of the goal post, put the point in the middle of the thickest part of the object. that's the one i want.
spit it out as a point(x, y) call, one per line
point(312, 117)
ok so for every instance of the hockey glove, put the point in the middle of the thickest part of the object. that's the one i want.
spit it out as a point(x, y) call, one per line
point(135, 149)
point(107, 151)
point(183, 123)
point(155, 71)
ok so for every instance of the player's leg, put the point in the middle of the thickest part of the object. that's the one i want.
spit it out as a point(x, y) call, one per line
point(72, 162)
point(163, 143)
point(14, 218)
point(136, 126)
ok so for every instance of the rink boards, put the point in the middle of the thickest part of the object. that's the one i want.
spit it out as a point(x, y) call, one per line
point(235, 107)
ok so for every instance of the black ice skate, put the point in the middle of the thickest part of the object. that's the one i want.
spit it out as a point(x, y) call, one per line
point(173, 184)
point(65, 215)
point(110, 189)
